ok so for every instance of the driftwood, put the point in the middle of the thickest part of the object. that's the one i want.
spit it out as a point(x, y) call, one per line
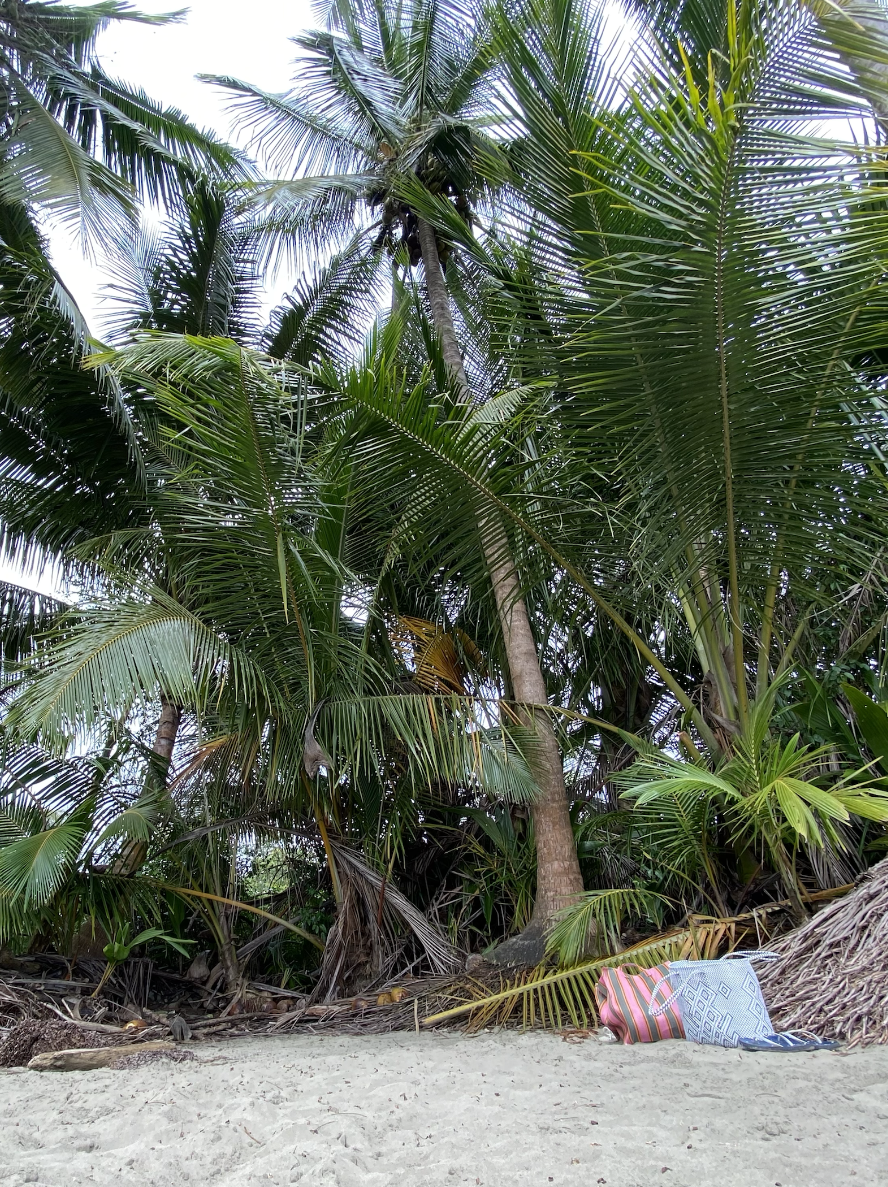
point(89, 1058)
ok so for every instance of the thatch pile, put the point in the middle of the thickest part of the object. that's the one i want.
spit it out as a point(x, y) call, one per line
point(833, 975)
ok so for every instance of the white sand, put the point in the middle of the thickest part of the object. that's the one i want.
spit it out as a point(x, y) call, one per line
point(502, 1110)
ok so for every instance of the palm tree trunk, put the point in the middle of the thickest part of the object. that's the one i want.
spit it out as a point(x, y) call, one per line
point(133, 855)
point(558, 870)
point(167, 732)
point(231, 968)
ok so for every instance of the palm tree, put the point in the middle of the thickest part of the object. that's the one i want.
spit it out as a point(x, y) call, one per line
point(735, 468)
point(76, 142)
point(393, 104)
point(233, 609)
point(706, 284)
point(79, 146)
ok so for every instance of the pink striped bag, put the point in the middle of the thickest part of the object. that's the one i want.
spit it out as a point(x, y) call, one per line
point(624, 1005)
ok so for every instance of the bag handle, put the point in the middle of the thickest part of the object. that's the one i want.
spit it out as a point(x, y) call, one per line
point(752, 954)
point(658, 1011)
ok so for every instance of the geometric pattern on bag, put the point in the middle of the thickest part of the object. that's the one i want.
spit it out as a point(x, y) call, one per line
point(624, 1004)
point(720, 1000)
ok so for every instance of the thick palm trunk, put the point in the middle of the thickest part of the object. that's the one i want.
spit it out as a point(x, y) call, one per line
point(134, 854)
point(558, 870)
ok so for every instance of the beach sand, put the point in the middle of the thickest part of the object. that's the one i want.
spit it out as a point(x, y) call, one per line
point(440, 1110)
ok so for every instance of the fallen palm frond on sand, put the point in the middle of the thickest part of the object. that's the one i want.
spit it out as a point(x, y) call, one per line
point(833, 975)
point(553, 999)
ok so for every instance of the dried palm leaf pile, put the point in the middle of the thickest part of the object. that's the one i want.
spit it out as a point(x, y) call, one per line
point(833, 975)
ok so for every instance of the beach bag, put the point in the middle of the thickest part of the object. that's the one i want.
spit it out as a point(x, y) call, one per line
point(624, 1004)
point(720, 1000)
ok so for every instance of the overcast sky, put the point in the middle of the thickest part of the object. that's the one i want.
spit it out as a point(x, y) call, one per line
point(248, 40)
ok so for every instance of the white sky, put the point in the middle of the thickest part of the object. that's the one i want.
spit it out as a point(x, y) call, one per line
point(249, 41)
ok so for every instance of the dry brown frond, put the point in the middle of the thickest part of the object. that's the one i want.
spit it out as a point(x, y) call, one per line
point(833, 975)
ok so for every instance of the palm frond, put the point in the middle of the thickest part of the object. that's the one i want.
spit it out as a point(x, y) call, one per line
point(597, 918)
point(33, 868)
point(553, 1000)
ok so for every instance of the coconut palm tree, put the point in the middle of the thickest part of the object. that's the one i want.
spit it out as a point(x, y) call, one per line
point(75, 142)
point(394, 102)
point(739, 334)
point(83, 148)
point(235, 591)
point(706, 288)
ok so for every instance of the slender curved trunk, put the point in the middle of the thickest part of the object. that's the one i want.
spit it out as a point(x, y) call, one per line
point(133, 855)
point(231, 968)
point(167, 732)
point(558, 870)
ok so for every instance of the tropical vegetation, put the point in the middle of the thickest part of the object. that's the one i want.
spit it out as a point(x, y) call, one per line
point(518, 585)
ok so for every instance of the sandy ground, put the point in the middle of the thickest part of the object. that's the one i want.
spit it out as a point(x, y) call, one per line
point(501, 1110)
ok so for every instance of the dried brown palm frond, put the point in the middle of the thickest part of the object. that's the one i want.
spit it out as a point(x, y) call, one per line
point(833, 974)
point(367, 937)
point(441, 659)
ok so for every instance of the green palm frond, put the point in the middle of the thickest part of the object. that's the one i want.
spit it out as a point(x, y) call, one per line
point(597, 918)
point(769, 794)
point(33, 779)
point(121, 657)
point(154, 148)
point(440, 737)
point(33, 868)
point(284, 128)
point(46, 167)
point(200, 276)
point(554, 999)
point(23, 614)
point(385, 92)
point(137, 822)
point(188, 892)
point(334, 307)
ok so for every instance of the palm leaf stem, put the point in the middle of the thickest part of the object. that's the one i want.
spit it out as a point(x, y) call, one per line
point(698, 611)
point(325, 838)
point(241, 906)
point(770, 600)
point(735, 611)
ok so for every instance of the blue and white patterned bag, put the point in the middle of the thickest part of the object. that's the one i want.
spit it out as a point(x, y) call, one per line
point(720, 1000)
